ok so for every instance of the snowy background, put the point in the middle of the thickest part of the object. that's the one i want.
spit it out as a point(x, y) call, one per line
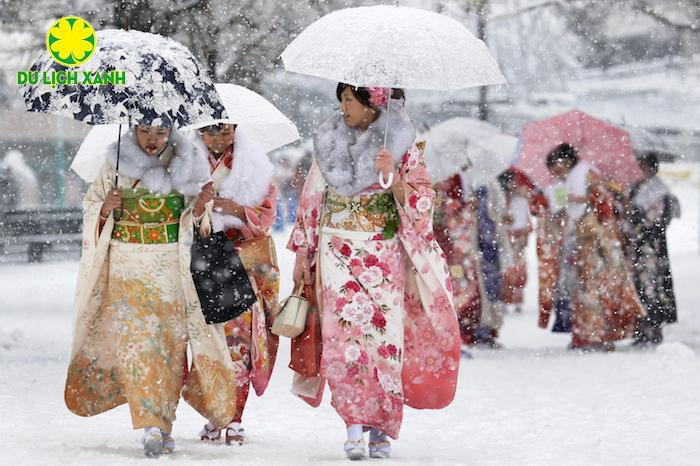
point(532, 403)
point(635, 63)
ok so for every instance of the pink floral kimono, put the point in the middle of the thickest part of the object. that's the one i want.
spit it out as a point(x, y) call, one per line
point(244, 174)
point(389, 329)
point(455, 225)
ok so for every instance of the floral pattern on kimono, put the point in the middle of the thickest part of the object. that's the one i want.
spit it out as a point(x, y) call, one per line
point(136, 311)
point(604, 302)
point(251, 343)
point(455, 230)
point(429, 356)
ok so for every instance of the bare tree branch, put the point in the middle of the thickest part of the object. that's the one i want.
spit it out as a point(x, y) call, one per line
point(644, 7)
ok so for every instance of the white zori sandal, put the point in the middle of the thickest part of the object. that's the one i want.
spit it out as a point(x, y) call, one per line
point(379, 446)
point(355, 445)
point(209, 433)
point(152, 442)
point(355, 449)
point(235, 434)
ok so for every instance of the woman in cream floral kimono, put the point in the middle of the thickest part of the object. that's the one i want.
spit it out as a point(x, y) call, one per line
point(244, 208)
point(136, 305)
point(389, 330)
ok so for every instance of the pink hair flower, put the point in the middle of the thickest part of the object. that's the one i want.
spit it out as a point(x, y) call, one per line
point(378, 96)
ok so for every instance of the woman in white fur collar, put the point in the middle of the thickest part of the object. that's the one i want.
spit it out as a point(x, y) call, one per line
point(380, 282)
point(136, 305)
point(244, 208)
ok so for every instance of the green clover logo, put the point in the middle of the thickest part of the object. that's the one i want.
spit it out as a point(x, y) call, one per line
point(71, 41)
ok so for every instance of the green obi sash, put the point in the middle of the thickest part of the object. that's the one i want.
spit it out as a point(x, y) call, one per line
point(149, 218)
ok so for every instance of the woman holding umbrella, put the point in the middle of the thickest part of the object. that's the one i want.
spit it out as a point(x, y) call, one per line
point(136, 306)
point(389, 330)
point(244, 209)
point(593, 278)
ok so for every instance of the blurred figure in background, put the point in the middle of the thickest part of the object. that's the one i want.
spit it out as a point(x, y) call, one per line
point(593, 280)
point(19, 187)
point(454, 223)
point(495, 261)
point(516, 188)
point(650, 209)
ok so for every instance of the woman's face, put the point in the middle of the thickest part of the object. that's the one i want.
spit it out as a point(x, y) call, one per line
point(355, 114)
point(218, 138)
point(560, 169)
point(152, 139)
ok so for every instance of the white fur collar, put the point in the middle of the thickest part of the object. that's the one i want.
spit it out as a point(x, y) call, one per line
point(346, 158)
point(249, 180)
point(186, 173)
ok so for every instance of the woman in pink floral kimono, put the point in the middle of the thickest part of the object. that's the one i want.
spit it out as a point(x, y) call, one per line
point(389, 330)
point(244, 208)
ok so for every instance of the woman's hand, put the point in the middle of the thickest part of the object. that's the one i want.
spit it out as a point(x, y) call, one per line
point(228, 207)
point(112, 201)
point(384, 163)
point(205, 195)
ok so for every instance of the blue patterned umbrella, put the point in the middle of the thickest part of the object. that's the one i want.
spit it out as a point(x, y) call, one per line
point(165, 84)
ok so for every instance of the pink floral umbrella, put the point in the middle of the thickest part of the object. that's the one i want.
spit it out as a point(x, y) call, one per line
point(600, 143)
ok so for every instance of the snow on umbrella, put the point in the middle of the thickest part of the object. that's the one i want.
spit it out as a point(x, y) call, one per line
point(165, 84)
point(462, 141)
point(392, 46)
point(256, 115)
point(602, 144)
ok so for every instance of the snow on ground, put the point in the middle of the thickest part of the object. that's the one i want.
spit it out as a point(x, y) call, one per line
point(533, 403)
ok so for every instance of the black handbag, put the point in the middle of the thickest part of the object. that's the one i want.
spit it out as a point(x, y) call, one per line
point(221, 281)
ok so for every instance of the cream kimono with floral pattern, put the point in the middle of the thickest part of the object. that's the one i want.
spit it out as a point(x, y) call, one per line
point(389, 329)
point(136, 309)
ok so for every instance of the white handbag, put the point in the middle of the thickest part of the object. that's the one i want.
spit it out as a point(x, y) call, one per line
point(290, 320)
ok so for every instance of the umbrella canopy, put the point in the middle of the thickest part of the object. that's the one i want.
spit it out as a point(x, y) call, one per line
point(92, 151)
point(256, 115)
point(165, 84)
point(462, 141)
point(392, 46)
point(600, 143)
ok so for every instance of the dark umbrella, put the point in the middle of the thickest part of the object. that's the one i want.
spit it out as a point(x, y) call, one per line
point(164, 85)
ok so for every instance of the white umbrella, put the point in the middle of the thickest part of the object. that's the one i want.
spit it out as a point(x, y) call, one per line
point(462, 141)
point(392, 46)
point(491, 157)
point(251, 111)
point(254, 114)
point(93, 150)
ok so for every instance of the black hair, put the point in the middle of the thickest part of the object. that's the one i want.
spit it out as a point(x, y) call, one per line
point(505, 179)
point(651, 161)
point(362, 93)
point(562, 153)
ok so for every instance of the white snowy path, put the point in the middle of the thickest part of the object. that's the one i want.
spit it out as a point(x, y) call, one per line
point(533, 403)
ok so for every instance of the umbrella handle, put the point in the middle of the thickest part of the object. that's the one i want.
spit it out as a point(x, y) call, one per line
point(118, 213)
point(386, 184)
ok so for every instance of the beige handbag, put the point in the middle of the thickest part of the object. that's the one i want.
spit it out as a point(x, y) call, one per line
point(290, 320)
